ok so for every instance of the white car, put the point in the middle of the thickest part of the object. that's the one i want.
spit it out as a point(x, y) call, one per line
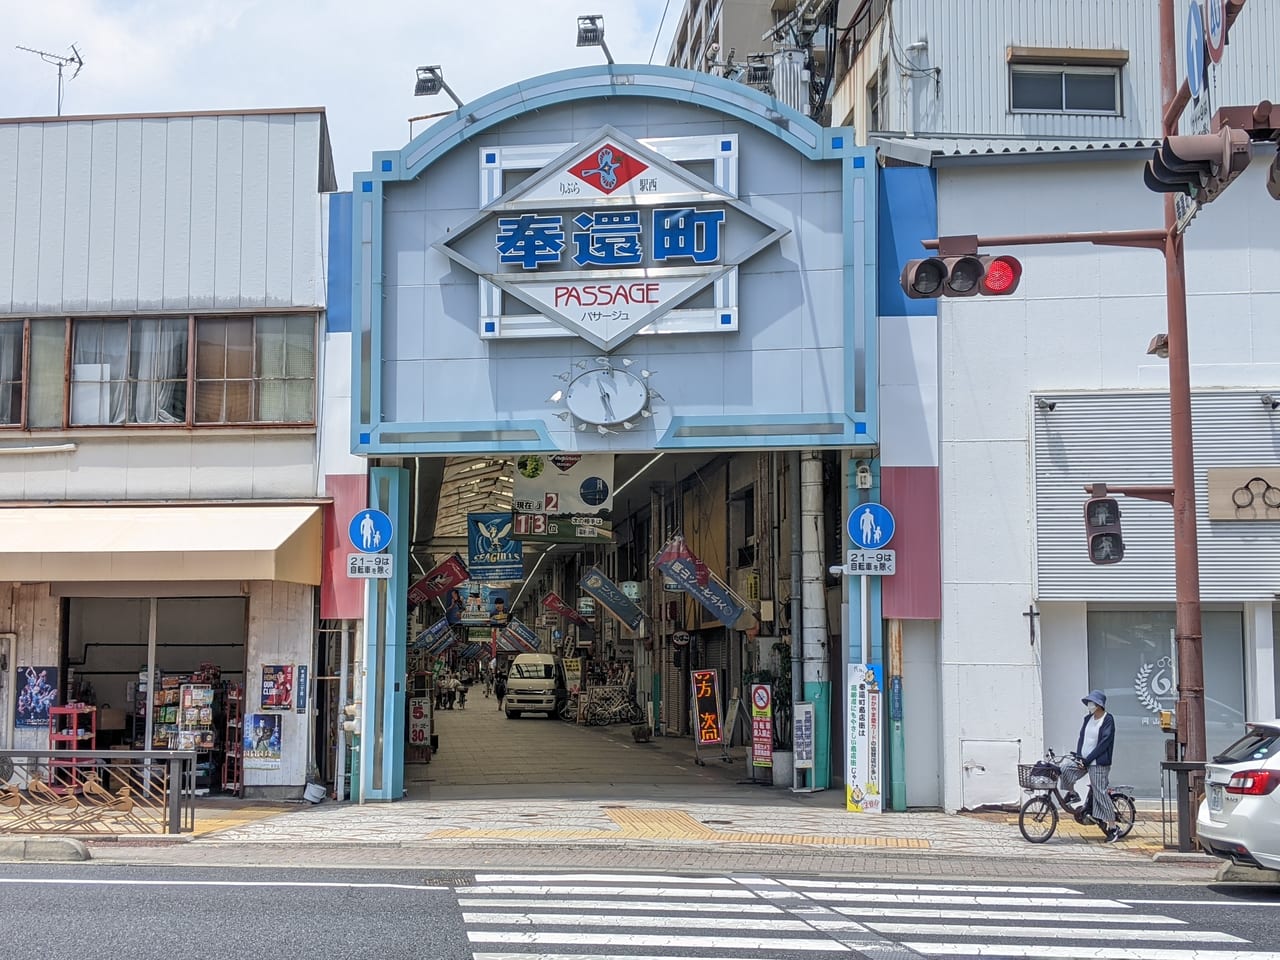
point(1239, 818)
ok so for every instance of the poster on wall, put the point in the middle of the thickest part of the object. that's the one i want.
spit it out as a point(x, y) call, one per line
point(277, 686)
point(862, 765)
point(478, 605)
point(262, 736)
point(496, 556)
point(563, 497)
point(39, 692)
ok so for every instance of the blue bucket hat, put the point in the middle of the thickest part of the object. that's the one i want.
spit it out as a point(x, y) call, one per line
point(1096, 696)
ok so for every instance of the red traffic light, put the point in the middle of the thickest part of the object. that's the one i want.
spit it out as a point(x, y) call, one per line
point(962, 276)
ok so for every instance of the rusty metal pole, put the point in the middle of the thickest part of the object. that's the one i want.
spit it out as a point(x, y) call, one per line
point(1187, 628)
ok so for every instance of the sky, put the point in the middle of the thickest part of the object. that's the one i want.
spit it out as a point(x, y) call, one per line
point(356, 59)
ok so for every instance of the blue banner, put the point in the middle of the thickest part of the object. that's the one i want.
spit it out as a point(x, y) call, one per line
point(523, 635)
point(496, 556)
point(610, 596)
point(715, 596)
point(435, 638)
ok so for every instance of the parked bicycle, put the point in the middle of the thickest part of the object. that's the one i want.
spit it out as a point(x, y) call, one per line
point(1038, 818)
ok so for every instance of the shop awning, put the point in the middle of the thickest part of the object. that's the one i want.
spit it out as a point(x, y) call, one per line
point(128, 542)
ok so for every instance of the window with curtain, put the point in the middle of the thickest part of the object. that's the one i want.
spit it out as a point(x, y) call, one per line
point(136, 370)
point(255, 369)
point(10, 373)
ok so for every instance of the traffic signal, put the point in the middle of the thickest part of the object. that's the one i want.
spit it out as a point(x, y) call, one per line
point(961, 276)
point(1273, 178)
point(1200, 165)
point(1102, 524)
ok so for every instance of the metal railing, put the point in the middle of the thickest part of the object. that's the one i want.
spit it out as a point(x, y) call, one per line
point(97, 792)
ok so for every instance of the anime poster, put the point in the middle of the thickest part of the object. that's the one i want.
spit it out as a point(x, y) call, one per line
point(262, 742)
point(277, 686)
point(477, 605)
point(38, 692)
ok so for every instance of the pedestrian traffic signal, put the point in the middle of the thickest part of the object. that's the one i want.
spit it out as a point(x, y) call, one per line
point(1200, 165)
point(1102, 525)
point(961, 276)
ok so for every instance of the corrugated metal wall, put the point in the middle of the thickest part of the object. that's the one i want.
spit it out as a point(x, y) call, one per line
point(1124, 438)
point(161, 213)
point(968, 41)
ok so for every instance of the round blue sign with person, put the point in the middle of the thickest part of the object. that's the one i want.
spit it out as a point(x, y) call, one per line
point(370, 531)
point(870, 526)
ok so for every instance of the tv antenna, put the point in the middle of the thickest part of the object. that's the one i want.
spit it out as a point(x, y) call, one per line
point(60, 62)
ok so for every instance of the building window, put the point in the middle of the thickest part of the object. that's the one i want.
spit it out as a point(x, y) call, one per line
point(1041, 88)
point(135, 371)
point(255, 370)
point(878, 98)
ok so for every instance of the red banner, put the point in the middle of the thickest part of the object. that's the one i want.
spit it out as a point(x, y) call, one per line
point(677, 549)
point(439, 581)
point(553, 603)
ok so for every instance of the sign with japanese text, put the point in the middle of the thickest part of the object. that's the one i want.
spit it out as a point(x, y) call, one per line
point(802, 736)
point(553, 603)
point(369, 566)
point(496, 556)
point(761, 725)
point(439, 580)
point(521, 636)
point(862, 766)
point(436, 638)
point(277, 686)
point(708, 728)
point(300, 698)
point(419, 727)
point(714, 595)
point(563, 497)
point(616, 603)
point(263, 736)
point(611, 237)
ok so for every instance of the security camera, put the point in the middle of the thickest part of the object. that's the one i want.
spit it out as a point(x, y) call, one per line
point(1043, 404)
point(713, 51)
point(862, 477)
point(1270, 402)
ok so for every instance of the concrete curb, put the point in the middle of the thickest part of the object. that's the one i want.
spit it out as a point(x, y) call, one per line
point(1184, 858)
point(1239, 873)
point(61, 849)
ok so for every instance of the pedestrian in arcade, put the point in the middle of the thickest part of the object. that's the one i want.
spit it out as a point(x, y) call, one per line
point(500, 688)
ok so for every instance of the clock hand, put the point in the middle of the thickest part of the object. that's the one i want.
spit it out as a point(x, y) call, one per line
point(604, 399)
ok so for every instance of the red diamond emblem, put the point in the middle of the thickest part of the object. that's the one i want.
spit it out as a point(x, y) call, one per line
point(607, 168)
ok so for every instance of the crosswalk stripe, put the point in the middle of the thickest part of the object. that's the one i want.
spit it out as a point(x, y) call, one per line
point(956, 900)
point(1052, 933)
point(1073, 953)
point(922, 887)
point(737, 893)
point(660, 905)
point(601, 877)
point(597, 939)
point(543, 955)
point(1051, 916)
point(596, 920)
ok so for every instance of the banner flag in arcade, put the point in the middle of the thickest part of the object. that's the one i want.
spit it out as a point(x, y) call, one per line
point(522, 636)
point(616, 603)
point(862, 767)
point(496, 556)
point(439, 581)
point(435, 639)
point(553, 603)
point(706, 699)
point(679, 564)
point(563, 497)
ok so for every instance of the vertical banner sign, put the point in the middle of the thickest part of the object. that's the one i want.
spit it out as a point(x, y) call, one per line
point(419, 731)
point(301, 697)
point(496, 556)
point(618, 605)
point(803, 736)
point(522, 636)
point(862, 770)
point(563, 497)
point(553, 603)
point(761, 725)
point(706, 703)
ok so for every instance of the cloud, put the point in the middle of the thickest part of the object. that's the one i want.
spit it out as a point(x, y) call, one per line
point(354, 59)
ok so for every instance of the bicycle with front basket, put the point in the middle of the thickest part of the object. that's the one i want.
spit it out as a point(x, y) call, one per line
point(1038, 818)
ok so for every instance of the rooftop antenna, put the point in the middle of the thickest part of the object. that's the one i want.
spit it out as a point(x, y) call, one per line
point(59, 62)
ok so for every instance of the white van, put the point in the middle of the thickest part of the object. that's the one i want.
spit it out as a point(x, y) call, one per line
point(535, 682)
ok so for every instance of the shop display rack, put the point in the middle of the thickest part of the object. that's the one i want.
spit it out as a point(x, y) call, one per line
point(233, 744)
point(73, 727)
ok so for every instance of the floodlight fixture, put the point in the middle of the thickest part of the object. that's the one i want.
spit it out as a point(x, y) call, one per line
point(430, 82)
point(591, 33)
point(1159, 346)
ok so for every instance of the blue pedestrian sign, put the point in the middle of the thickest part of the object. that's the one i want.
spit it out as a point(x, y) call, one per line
point(370, 531)
point(1195, 51)
point(870, 526)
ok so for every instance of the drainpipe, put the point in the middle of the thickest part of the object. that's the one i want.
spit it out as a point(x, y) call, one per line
point(817, 687)
point(797, 601)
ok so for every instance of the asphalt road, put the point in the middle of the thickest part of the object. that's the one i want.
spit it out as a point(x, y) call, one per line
point(90, 912)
